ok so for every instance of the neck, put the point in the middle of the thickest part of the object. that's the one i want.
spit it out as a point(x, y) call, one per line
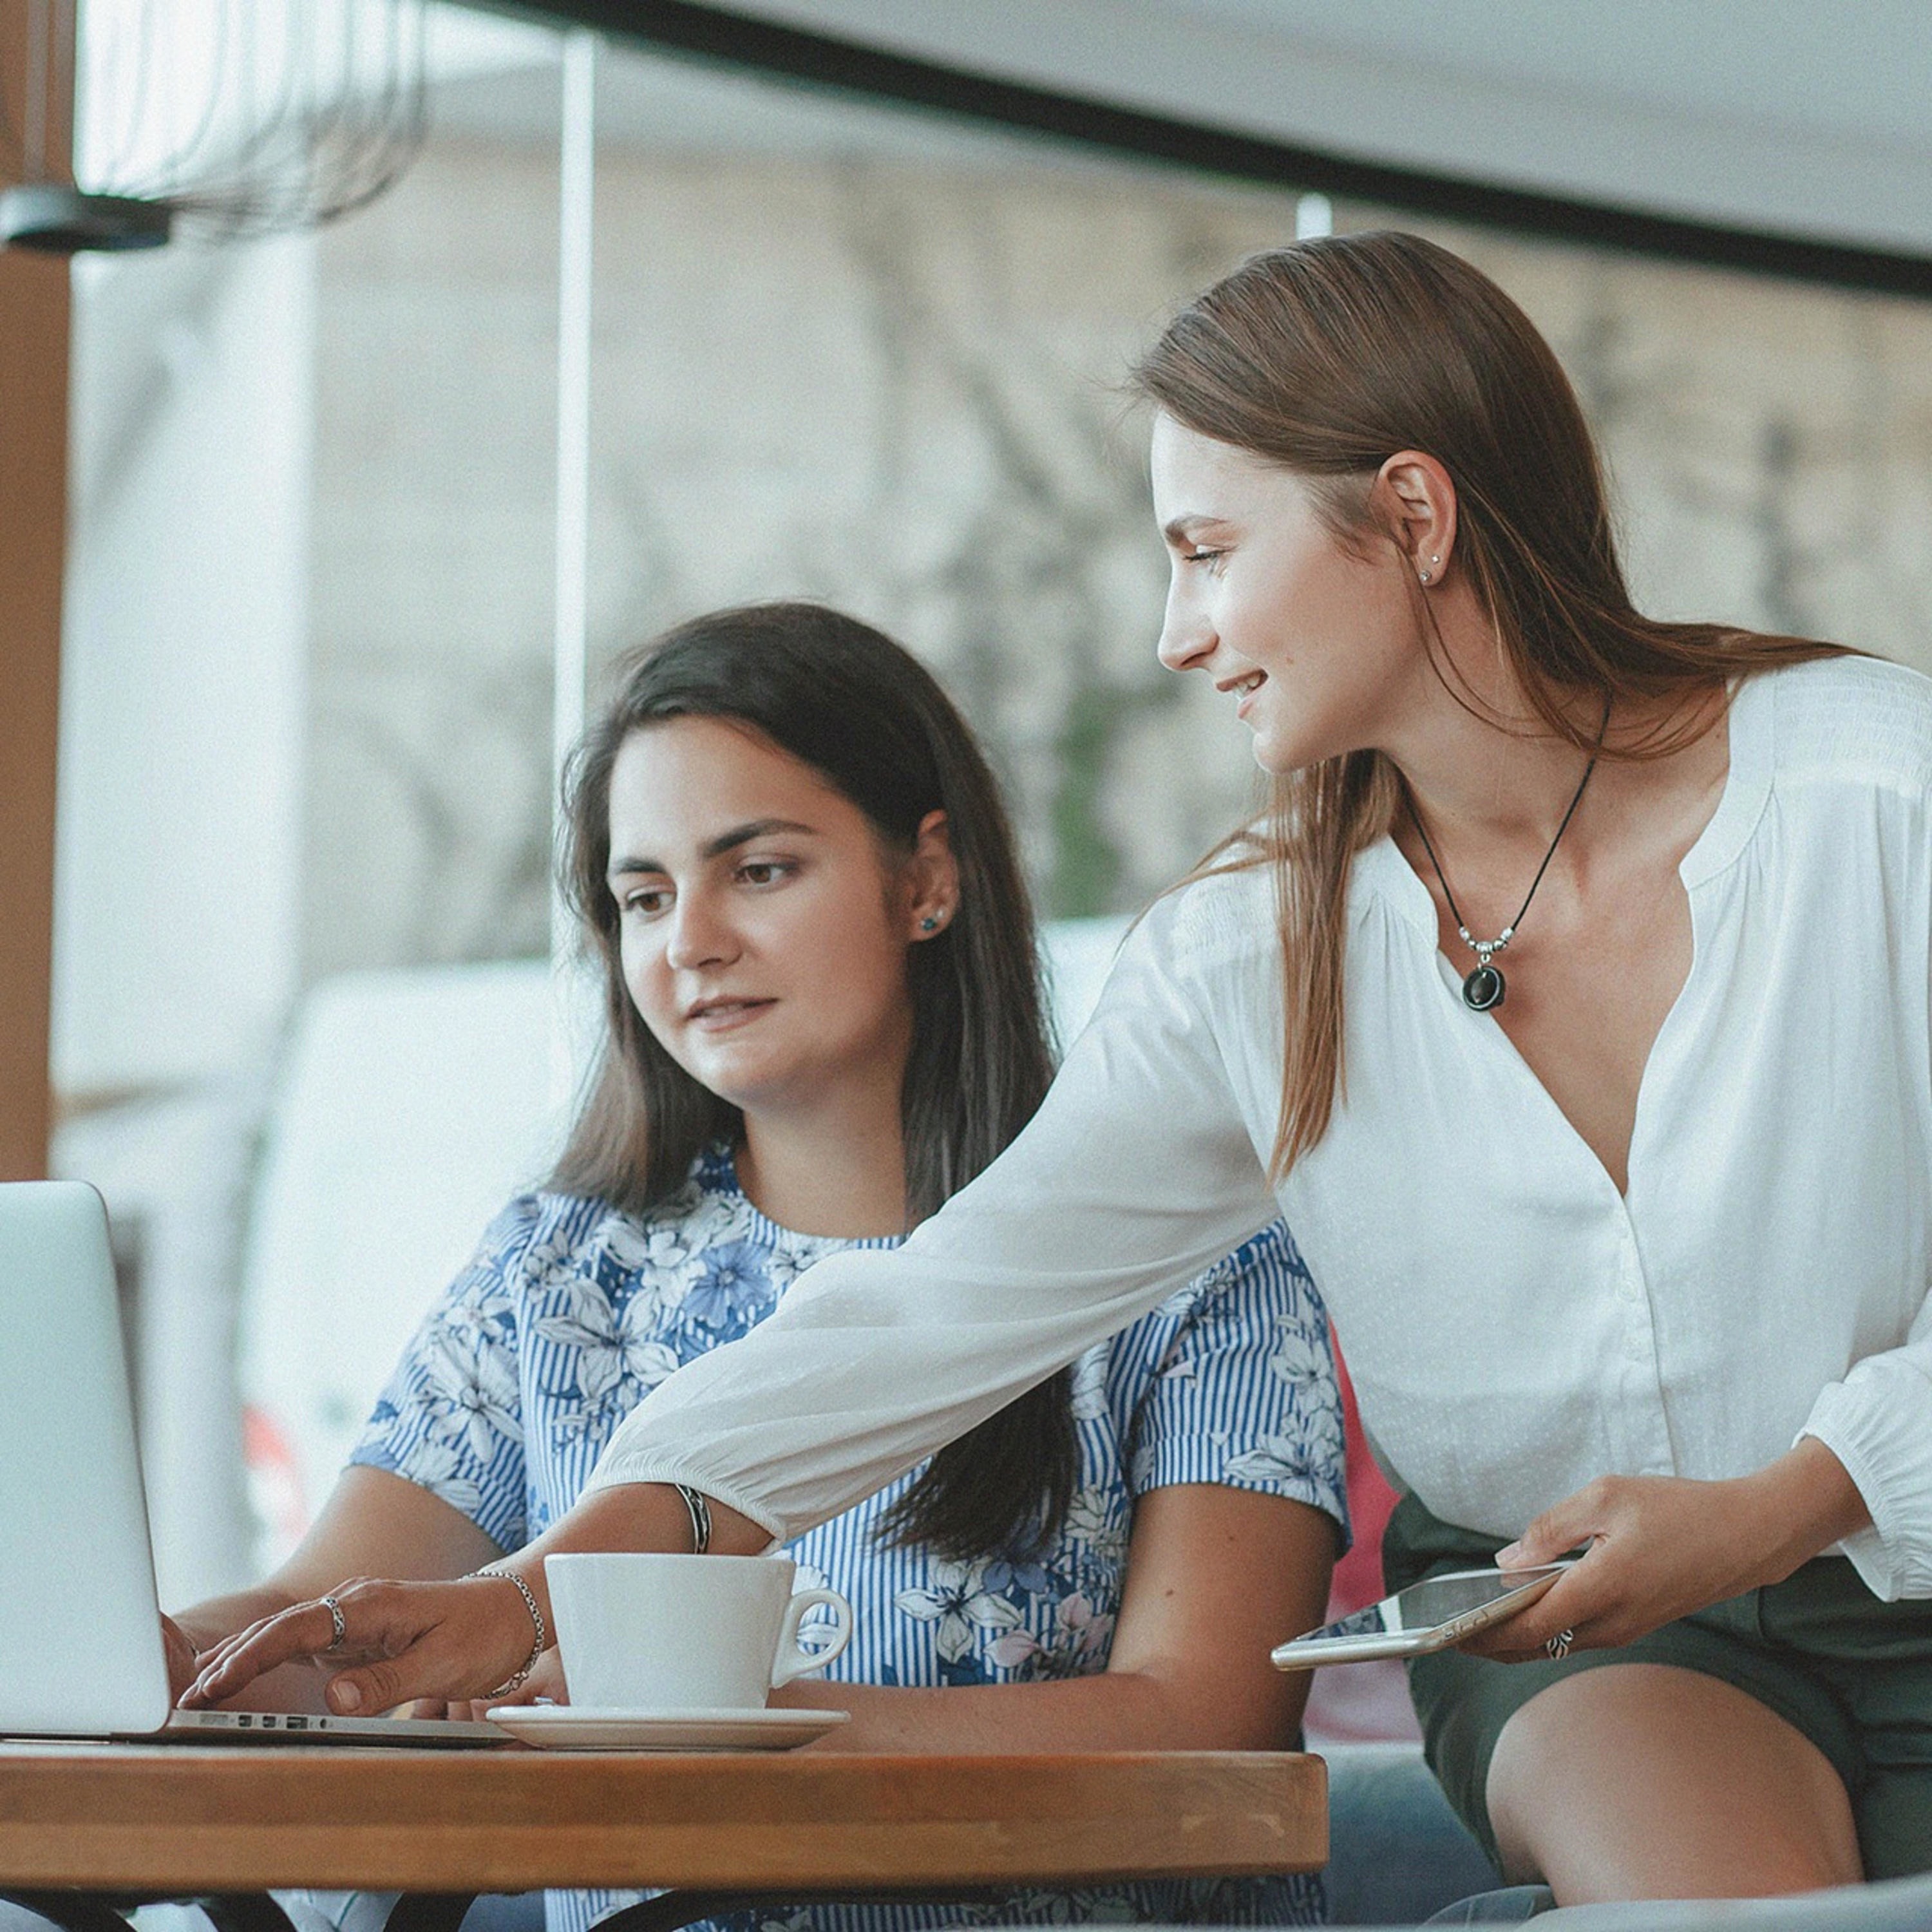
point(1483, 770)
point(1481, 767)
point(837, 1168)
point(1495, 791)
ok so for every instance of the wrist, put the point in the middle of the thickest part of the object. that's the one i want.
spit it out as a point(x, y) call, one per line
point(540, 1640)
point(1800, 1505)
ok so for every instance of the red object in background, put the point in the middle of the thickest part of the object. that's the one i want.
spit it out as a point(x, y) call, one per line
point(1359, 1703)
point(275, 1479)
point(1358, 1576)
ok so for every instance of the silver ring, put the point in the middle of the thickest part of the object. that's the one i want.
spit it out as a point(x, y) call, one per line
point(1558, 1646)
point(340, 1632)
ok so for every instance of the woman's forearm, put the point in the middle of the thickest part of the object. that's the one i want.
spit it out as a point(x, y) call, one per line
point(645, 1516)
point(1805, 1502)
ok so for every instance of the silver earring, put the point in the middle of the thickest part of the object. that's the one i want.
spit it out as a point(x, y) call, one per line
point(1425, 577)
point(930, 923)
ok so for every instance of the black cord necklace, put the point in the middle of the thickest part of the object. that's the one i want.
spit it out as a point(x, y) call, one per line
point(1484, 987)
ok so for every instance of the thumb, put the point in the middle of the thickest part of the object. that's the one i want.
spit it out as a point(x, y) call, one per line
point(1559, 1529)
point(368, 1689)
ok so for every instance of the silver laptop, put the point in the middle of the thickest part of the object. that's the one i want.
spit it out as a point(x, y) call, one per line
point(80, 1627)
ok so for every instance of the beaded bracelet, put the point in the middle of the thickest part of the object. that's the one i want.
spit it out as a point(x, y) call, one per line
point(536, 1609)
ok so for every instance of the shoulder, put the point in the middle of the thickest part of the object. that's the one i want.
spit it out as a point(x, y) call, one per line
point(1264, 1284)
point(541, 1235)
point(1853, 720)
point(1223, 918)
point(1261, 1287)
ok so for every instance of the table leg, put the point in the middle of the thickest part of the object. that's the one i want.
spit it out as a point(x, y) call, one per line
point(244, 1912)
point(670, 1911)
point(106, 1911)
point(72, 1911)
point(428, 1911)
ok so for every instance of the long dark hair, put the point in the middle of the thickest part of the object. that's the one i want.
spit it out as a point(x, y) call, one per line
point(1326, 358)
point(845, 700)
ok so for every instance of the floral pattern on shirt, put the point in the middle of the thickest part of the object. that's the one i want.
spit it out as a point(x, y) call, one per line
point(571, 1311)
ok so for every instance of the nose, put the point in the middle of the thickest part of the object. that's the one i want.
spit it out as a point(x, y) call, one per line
point(1186, 638)
point(696, 935)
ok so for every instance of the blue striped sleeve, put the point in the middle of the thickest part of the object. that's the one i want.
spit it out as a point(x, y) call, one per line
point(1242, 1390)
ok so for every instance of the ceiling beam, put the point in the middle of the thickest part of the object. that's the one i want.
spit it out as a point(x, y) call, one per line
point(747, 40)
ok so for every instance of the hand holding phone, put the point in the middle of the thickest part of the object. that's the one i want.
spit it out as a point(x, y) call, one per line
point(1429, 1615)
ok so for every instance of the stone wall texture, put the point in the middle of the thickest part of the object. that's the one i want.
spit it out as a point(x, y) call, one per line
point(892, 381)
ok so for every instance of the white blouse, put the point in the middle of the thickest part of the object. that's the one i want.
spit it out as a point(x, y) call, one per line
point(1514, 1326)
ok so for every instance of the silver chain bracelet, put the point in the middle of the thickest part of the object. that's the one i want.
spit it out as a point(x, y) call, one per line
point(700, 1518)
point(536, 1609)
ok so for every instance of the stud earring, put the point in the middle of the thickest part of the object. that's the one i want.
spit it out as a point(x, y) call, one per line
point(931, 923)
point(1425, 577)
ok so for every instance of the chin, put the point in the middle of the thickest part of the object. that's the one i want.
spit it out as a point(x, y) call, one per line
point(1278, 761)
point(1280, 753)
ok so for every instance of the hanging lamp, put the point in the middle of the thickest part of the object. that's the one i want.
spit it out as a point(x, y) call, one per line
point(214, 119)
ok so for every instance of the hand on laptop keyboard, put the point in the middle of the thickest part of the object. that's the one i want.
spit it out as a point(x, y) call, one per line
point(399, 1642)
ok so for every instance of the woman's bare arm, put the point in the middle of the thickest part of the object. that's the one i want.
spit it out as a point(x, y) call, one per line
point(373, 1524)
point(1216, 1577)
point(450, 1641)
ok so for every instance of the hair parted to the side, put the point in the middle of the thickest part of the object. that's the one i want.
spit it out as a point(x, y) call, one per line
point(845, 700)
point(1327, 358)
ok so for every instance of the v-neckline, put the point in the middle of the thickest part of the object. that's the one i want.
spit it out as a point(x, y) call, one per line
point(1749, 722)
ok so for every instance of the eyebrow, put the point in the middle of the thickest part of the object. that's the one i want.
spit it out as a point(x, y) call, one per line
point(715, 848)
point(1181, 528)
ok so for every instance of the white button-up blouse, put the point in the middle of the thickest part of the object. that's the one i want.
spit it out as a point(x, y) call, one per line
point(1515, 1326)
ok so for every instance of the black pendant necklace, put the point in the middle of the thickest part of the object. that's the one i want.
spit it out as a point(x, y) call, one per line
point(1484, 987)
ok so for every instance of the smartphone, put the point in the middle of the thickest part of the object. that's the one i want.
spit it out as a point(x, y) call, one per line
point(1432, 1615)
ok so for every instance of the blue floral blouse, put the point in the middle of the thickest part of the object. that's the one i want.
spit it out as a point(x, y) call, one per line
point(572, 1311)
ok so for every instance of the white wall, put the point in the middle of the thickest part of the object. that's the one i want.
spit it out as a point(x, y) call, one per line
point(179, 863)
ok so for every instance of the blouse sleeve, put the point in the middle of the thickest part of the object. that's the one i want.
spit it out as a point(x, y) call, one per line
point(1137, 1173)
point(1877, 1419)
point(1244, 1393)
point(1878, 1422)
point(450, 1420)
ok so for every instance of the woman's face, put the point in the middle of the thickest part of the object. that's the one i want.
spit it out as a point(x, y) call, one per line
point(1315, 644)
point(763, 926)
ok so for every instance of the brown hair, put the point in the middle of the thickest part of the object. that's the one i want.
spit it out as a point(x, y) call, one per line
point(1327, 358)
point(867, 717)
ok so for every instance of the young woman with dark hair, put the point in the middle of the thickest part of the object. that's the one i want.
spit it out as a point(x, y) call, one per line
point(1572, 1002)
point(822, 1019)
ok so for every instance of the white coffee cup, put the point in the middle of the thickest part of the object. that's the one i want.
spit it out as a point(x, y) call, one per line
point(645, 1633)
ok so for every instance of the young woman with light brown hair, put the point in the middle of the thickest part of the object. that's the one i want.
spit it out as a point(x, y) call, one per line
point(1573, 1002)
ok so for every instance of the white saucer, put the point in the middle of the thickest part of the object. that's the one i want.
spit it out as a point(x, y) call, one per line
point(581, 1727)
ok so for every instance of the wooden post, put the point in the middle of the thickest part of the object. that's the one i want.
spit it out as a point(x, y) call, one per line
point(34, 322)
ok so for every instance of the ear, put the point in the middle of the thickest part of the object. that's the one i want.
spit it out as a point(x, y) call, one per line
point(1414, 501)
point(931, 878)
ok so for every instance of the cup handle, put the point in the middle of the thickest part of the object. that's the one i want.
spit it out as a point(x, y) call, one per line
point(793, 1659)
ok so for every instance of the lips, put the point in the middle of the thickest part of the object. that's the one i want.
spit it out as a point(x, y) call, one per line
point(1248, 681)
point(722, 1014)
point(1244, 689)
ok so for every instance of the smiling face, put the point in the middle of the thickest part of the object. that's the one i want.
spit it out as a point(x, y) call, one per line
point(1317, 643)
point(764, 925)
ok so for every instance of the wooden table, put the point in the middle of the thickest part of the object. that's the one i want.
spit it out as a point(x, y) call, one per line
point(175, 1821)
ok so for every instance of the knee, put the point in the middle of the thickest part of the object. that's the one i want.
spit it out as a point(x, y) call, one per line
point(1638, 1781)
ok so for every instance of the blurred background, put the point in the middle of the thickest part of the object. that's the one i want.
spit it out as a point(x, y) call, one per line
point(357, 513)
